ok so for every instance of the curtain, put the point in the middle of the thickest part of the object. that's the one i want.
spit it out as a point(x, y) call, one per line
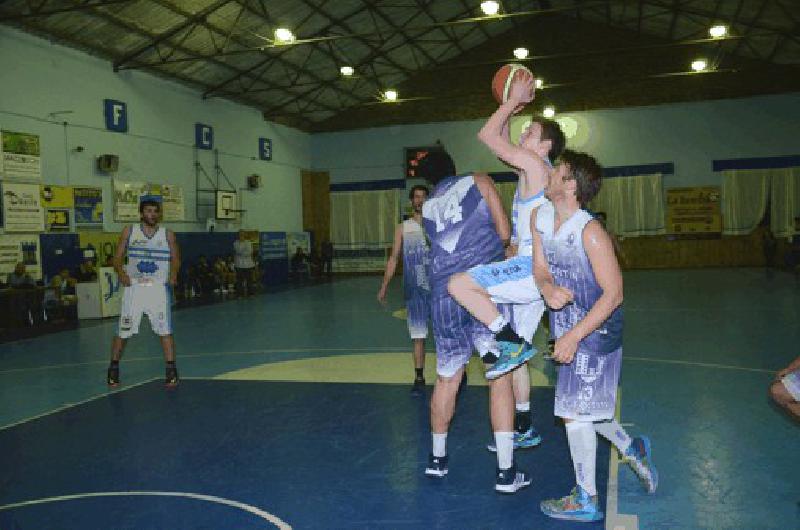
point(634, 205)
point(744, 199)
point(364, 217)
point(784, 200)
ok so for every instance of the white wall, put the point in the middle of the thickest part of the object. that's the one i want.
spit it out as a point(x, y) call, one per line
point(38, 78)
point(689, 134)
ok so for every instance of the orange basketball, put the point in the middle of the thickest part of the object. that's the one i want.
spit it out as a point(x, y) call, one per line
point(501, 83)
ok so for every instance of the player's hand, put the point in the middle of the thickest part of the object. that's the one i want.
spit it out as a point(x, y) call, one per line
point(522, 89)
point(125, 279)
point(511, 251)
point(556, 297)
point(382, 295)
point(565, 348)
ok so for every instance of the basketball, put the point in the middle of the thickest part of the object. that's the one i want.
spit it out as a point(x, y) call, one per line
point(501, 83)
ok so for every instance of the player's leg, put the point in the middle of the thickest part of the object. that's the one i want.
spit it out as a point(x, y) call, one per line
point(159, 312)
point(453, 350)
point(129, 318)
point(418, 311)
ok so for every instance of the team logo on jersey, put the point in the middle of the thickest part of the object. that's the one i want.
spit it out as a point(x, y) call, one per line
point(571, 239)
point(147, 267)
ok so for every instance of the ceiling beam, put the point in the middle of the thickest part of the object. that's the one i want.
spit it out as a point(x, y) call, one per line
point(8, 16)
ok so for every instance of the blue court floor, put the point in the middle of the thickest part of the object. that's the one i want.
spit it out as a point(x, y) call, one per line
point(294, 412)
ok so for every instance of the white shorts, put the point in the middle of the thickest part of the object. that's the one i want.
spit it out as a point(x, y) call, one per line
point(511, 282)
point(154, 300)
point(792, 383)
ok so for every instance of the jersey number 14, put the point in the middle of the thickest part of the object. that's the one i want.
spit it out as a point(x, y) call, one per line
point(448, 211)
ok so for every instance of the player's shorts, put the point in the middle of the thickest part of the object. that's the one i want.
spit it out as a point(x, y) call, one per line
point(792, 383)
point(419, 312)
point(511, 282)
point(587, 387)
point(154, 300)
point(457, 334)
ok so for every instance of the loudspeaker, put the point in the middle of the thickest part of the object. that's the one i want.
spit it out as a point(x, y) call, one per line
point(108, 163)
point(253, 182)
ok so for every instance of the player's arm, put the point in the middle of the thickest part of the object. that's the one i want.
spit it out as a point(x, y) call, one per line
point(391, 264)
point(119, 256)
point(794, 365)
point(486, 186)
point(495, 133)
point(556, 297)
point(175, 258)
point(606, 270)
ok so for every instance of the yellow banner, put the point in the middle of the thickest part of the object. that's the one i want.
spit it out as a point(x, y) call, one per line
point(57, 196)
point(693, 210)
point(104, 243)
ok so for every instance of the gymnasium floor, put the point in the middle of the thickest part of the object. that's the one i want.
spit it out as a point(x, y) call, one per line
point(279, 420)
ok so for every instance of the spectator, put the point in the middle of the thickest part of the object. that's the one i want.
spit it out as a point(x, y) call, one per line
point(299, 264)
point(204, 275)
point(87, 271)
point(65, 287)
point(23, 298)
point(109, 261)
point(327, 257)
point(244, 264)
point(223, 276)
point(19, 279)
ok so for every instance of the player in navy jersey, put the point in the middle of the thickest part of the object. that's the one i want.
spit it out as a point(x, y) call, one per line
point(579, 277)
point(409, 238)
point(466, 226)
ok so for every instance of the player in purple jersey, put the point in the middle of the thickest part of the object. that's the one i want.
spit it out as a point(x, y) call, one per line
point(466, 226)
point(409, 239)
point(785, 390)
point(579, 277)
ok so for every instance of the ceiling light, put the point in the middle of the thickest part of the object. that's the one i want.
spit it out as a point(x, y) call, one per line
point(539, 82)
point(699, 65)
point(718, 31)
point(390, 95)
point(284, 36)
point(346, 70)
point(521, 53)
point(490, 7)
point(549, 112)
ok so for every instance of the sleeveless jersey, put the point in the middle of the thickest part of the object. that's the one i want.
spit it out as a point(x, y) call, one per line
point(460, 229)
point(148, 257)
point(570, 267)
point(415, 260)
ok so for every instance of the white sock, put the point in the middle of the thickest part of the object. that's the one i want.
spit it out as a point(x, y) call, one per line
point(439, 444)
point(583, 448)
point(497, 324)
point(505, 449)
point(614, 433)
point(523, 407)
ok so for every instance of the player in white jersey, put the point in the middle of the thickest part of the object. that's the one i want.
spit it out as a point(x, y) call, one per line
point(785, 390)
point(149, 276)
point(409, 238)
point(511, 281)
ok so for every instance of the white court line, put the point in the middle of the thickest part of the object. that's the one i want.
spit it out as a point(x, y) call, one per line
point(209, 498)
point(207, 354)
point(703, 365)
point(614, 519)
point(371, 349)
point(70, 405)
